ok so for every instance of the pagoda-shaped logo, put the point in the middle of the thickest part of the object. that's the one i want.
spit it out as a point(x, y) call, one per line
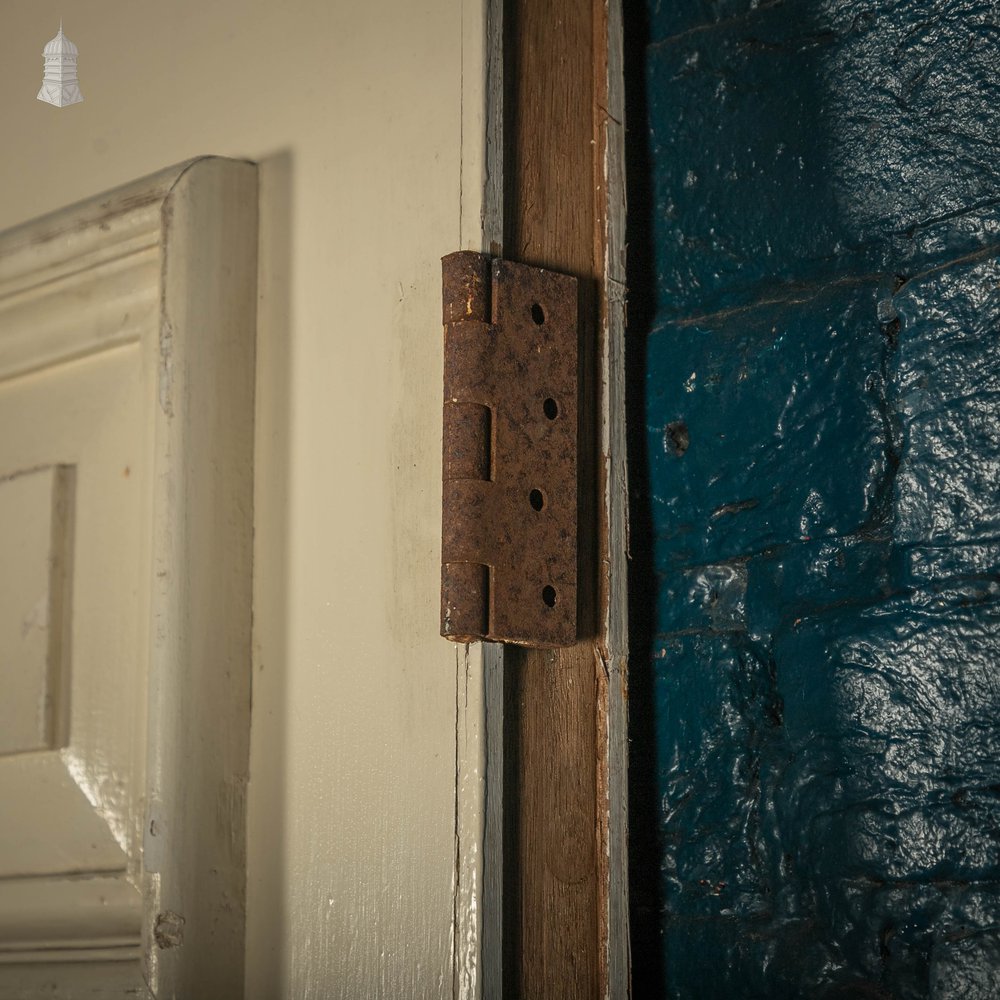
point(60, 86)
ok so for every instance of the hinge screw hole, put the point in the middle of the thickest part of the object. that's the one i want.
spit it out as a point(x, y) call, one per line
point(537, 499)
point(538, 314)
point(551, 408)
point(549, 596)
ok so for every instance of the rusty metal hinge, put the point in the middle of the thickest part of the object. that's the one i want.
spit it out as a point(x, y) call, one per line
point(509, 535)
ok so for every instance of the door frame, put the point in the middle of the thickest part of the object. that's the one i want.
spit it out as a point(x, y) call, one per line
point(547, 165)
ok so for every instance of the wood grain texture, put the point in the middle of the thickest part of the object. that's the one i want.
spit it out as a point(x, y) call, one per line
point(556, 872)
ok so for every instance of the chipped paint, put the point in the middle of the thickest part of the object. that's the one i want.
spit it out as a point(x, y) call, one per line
point(168, 931)
point(166, 369)
point(37, 617)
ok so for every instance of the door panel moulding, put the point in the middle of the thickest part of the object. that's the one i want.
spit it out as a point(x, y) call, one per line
point(127, 327)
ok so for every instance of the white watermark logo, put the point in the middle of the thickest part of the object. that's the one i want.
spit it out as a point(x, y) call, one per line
point(60, 85)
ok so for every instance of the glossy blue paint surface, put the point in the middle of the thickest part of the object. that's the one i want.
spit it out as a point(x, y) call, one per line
point(815, 362)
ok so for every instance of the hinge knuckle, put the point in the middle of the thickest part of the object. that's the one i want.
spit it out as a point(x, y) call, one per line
point(468, 361)
point(464, 601)
point(466, 287)
point(466, 440)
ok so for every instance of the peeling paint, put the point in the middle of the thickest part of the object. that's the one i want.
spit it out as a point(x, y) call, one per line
point(166, 371)
point(37, 617)
point(155, 837)
point(168, 931)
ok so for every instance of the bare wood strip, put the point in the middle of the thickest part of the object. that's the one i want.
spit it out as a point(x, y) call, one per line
point(556, 876)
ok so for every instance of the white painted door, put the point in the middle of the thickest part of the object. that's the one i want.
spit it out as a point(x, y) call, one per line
point(126, 444)
point(367, 122)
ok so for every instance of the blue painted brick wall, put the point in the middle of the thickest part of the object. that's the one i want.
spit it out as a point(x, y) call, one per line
point(815, 354)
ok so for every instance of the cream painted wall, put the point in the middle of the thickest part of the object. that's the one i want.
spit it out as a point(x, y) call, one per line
point(354, 111)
